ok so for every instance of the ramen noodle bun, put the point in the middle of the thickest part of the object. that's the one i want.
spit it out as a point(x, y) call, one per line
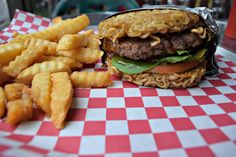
point(166, 48)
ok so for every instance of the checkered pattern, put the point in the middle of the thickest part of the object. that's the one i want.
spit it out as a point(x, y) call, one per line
point(126, 120)
point(23, 22)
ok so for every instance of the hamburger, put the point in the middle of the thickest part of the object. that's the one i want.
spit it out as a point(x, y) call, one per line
point(166, 48)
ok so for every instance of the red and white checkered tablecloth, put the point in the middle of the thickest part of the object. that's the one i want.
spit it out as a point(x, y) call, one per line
point(126, 120)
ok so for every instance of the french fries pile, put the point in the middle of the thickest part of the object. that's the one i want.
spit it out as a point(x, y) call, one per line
point(42, 69)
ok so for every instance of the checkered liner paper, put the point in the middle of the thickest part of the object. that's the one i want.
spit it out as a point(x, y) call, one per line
point(126, 120)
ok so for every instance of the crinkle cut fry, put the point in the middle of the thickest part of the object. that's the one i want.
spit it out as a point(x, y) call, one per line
point(13, 91)
point(67, 53)
point(9, 51)
point(51, 46)
point(26, 76)
point(20, 109)
point(72, 41)
point(94, 42)
point(41, 91)
point(71, 62)
point(86, 79)
point(62, 94)
point(88, 55)
point(26, 59)
point(56, 31)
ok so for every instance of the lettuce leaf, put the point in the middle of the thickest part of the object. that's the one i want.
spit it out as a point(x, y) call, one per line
point(180, 52)
point(130, 66)
point(174, 59)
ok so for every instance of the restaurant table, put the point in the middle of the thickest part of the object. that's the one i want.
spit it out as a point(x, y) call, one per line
point(126, 120)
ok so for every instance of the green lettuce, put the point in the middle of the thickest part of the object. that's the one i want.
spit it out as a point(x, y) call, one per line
point(130, 66)
point(180, 52)
point(174, 59)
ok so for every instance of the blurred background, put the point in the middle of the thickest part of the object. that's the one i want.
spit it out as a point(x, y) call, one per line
point(99, 9)
point(52, 8)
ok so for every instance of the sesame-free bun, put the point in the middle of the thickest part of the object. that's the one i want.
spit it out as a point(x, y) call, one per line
point(146, 22)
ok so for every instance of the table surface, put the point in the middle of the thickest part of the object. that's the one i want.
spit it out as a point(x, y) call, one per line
point(127, 120)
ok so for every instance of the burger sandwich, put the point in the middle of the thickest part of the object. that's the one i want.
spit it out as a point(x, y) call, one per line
point(162, 47)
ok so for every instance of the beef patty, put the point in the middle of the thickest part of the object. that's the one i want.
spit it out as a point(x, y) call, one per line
point(141, 49)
